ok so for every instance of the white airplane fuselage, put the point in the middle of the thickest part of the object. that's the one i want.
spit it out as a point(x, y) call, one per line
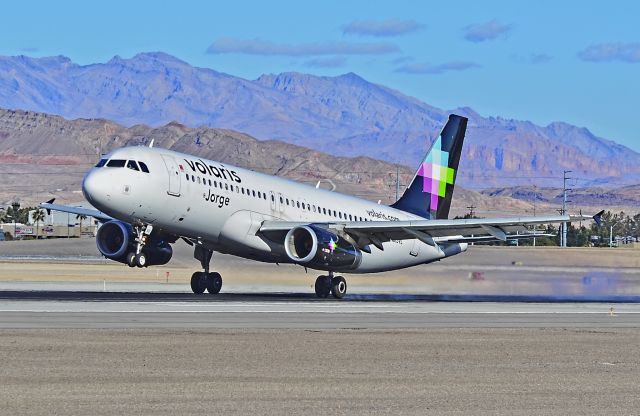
point(222, 207)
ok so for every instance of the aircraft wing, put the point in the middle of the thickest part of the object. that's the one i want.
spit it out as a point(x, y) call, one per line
point(434, 232)
point(99, 215)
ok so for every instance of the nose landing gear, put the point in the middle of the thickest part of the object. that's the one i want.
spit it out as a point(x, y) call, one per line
point(138, 258)
point(334, 285)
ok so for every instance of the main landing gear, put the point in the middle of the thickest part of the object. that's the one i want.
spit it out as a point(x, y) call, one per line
point(201, 281)
point(335, 285)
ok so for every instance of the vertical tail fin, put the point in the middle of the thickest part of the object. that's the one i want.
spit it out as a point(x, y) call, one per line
point(429, 194)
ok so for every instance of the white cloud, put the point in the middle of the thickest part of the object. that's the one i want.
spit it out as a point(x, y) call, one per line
point(486, 31)
point(607, 52)
point(437, 69)
point(380, 28)
point(267, 48)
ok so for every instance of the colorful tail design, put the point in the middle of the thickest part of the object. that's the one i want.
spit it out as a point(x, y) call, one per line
point(429, 194)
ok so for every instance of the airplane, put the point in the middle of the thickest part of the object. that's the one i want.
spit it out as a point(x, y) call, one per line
point(146, 198)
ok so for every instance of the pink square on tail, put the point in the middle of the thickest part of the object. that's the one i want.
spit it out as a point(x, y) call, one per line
point(434, 201)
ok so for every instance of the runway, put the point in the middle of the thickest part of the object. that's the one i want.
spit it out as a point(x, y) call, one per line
point(105, 339)
point(59, 306)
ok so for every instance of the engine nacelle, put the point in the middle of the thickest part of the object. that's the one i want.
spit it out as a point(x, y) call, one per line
point(319, 248)
point(116, 238)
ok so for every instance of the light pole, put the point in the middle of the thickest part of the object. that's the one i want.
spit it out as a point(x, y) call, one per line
point(535, 196)
point(563, 238)
point(3, 218)
point(611, 234)
point(16, 206)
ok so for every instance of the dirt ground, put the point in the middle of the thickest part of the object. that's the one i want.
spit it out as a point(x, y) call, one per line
point(436, 371)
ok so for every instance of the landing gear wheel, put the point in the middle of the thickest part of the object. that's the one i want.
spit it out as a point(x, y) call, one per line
point(131, 259)
point(198, 282)
point(214, 282)
point(323, 286)
point(141, 260)
point(338, 287)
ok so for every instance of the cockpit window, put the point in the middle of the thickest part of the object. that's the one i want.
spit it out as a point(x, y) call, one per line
point(132, 165)
point(101, 163)
point(144, 167)
point(116, 163)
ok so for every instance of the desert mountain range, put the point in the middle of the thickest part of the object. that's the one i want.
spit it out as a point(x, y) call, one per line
point(344, 116)
point(44, 156)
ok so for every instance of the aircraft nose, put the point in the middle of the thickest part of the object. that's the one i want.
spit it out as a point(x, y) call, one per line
point(91, 188)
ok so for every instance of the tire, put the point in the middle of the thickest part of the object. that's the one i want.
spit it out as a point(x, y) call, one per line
point(214, 282)
point(141, 259)
point(338, 287)
point(323, 286)
point(131, 259)
point(198, 283)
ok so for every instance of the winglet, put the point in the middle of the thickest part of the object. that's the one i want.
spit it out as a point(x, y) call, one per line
point(598, 218)
point(49, 202)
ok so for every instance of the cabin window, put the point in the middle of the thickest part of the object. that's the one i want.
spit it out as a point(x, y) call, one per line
point(287, 201)
point(281, 201)
point(132, 165)
point(298, 204)
point(242, 191)
point(253, 192)
point(324, 211)
point(187, 175)
point(101, 163)
point(193, 178)
point(314, 208)
point(226, 186)
point(116, 163)
point(350, 218)
point(143, 167)
point(340, 215)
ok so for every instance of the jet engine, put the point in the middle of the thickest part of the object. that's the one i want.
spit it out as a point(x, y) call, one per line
point(321, 249)
point(115, 239)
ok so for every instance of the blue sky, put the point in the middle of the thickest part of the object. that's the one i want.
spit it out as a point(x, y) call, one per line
point(542, 61)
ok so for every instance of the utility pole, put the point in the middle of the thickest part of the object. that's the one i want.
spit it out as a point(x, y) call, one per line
point(611, 233)
point(535, 196)
point(16, 207)
point(563, 238)
point(471, 208)
point(397, 182)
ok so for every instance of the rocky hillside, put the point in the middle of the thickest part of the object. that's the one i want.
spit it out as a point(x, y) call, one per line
point(44, 156)
point(344, 116)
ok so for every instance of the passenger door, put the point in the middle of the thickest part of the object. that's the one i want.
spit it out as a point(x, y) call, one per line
point(174, 175)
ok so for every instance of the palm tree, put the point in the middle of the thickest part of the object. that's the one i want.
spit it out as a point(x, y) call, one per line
point(38, 216)
point(81, 217)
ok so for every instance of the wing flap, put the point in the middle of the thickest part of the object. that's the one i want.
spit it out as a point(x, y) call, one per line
point(432, 232)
